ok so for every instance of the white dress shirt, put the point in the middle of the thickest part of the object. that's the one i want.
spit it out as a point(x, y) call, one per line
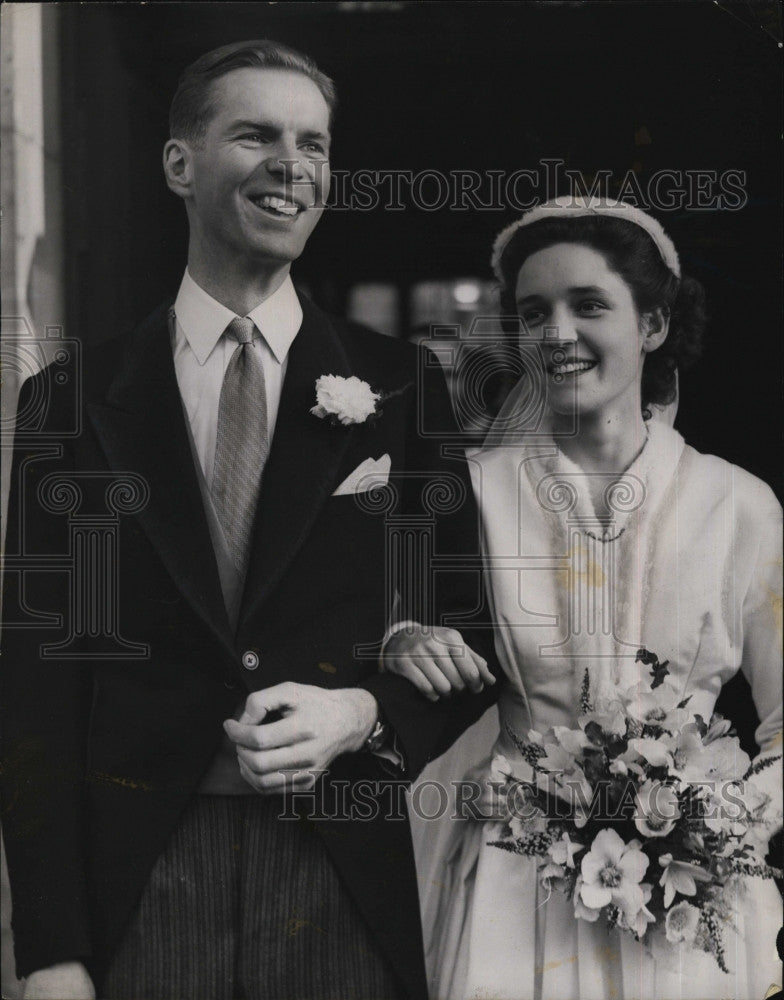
point(202, 354)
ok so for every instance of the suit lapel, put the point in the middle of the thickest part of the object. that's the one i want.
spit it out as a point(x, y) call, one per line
point(141, 426)
point(303, 463)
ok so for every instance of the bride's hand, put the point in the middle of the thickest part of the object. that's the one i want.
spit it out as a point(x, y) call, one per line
point(437, 661)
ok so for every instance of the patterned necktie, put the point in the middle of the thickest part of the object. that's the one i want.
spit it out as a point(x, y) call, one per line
point(241, 446)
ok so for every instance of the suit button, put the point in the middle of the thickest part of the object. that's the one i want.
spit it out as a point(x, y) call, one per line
point(250, 659)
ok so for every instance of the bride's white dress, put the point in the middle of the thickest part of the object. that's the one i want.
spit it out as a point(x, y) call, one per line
point(690, 568)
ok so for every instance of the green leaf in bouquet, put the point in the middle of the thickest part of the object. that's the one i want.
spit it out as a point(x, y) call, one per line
point(701, 726)
point(585, 694)
point(616, 746)
point(709, 936)
point(529, 844)
point(532, 753)
point(593, 764)
point(611, 743)
point(634, 729)
point(760, 765)
point(658, 670)
point(754, 869)
point(505, 845)
point(595, 733)
point(623, 799)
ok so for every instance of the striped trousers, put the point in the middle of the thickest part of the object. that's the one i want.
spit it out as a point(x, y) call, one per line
point(244, 906)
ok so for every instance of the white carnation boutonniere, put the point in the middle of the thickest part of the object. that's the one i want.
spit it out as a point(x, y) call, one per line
point(348, 401)
point(344, 400)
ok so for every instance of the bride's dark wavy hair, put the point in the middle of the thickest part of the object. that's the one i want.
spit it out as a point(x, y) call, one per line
point(630, 253)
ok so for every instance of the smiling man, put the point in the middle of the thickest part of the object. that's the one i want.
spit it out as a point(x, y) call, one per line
point(253, 176)
point(151, 851)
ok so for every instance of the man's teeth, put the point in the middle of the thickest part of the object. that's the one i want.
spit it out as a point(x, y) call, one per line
point(278, 204)
point(572, 366)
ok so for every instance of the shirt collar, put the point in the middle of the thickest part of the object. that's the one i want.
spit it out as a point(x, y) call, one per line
point(203, 319)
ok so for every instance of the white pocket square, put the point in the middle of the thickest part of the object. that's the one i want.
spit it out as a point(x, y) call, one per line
point(368, 475)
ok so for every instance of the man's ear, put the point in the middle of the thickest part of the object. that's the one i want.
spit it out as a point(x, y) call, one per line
point(178, 167)
point(655, 327)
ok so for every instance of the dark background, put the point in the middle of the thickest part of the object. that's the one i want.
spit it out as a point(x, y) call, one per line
point(490, 86)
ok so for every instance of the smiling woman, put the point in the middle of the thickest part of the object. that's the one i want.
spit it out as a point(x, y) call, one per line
point(669, 310)
point(602, 293)
point(605, 535)
point(597, 339)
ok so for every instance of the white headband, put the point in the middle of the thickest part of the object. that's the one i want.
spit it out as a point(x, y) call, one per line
point(573, 208)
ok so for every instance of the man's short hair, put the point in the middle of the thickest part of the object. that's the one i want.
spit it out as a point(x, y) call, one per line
point(191, 108)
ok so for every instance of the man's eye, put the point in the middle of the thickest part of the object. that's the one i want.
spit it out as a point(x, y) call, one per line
point(532, 317)
point(253, 137)
point(314, 147)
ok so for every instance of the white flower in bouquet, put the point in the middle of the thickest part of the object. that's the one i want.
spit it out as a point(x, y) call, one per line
point(718, 727)
point(574, 741)
point(659, 706)
point(762, 818)
point(656, 809)
point(638, 922)
point(643, 779)
point(680, 876)
point(562, 747)
point(681, 923)
point(563, 851)
point(655, 752)
point(724, 760)
point(500, 768)
point(609, 715)
point(558, 769)
point(688, 751)
point(553, 876)
point(533, 823)
point(557, 759)
point(581, 911)
point(726, 812)
point(573, 788)
point(694, 760)
point(611, 874)
point(344, 400)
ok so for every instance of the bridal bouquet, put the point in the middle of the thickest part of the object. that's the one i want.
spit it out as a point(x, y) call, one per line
point(644, 814)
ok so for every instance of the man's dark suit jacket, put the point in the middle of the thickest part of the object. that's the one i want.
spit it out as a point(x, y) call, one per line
point(101, 753)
